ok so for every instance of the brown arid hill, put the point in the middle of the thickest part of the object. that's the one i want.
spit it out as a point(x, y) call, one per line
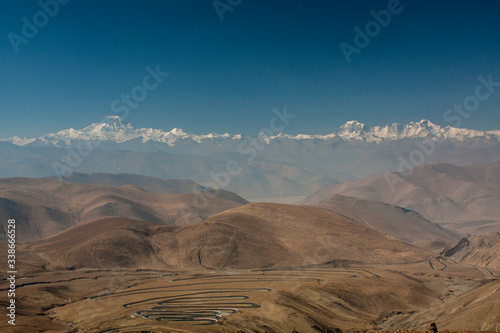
point(251, 236)
point(311, 233)
point(43, 207)
point(150, 184)
point(443, 193)
point(483, 250)
point(394, 221)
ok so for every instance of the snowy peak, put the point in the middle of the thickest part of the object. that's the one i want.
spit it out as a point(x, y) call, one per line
point(352, 125)
point(178, 132)
point(112, 128)
point(18, 141)
point(352, 129)
point(110, 124)
point(115, 130)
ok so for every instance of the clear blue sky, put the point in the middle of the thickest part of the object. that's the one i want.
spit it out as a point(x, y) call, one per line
point(227, 76)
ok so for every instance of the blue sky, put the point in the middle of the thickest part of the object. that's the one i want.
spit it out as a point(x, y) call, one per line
point(227, 76)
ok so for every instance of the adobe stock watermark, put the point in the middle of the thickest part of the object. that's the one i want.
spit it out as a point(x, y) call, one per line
point(121, 108)
point(223, 6)
point(150, 82)
point(11, 270)
point(250, 148)
point(472, 102)
point(372, 29)
point(30, 28)
point(455, 115)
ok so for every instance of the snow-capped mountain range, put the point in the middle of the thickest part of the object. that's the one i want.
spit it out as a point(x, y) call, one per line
point(114, 130)
point(290, 165)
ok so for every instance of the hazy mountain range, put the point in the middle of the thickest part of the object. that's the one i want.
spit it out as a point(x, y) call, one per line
point(461, 198)
point(270, 165)
point(48, 206)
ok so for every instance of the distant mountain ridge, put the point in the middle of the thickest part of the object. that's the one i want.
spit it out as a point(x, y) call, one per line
point(444, 193)
point(114, 130)
point(398, 222)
